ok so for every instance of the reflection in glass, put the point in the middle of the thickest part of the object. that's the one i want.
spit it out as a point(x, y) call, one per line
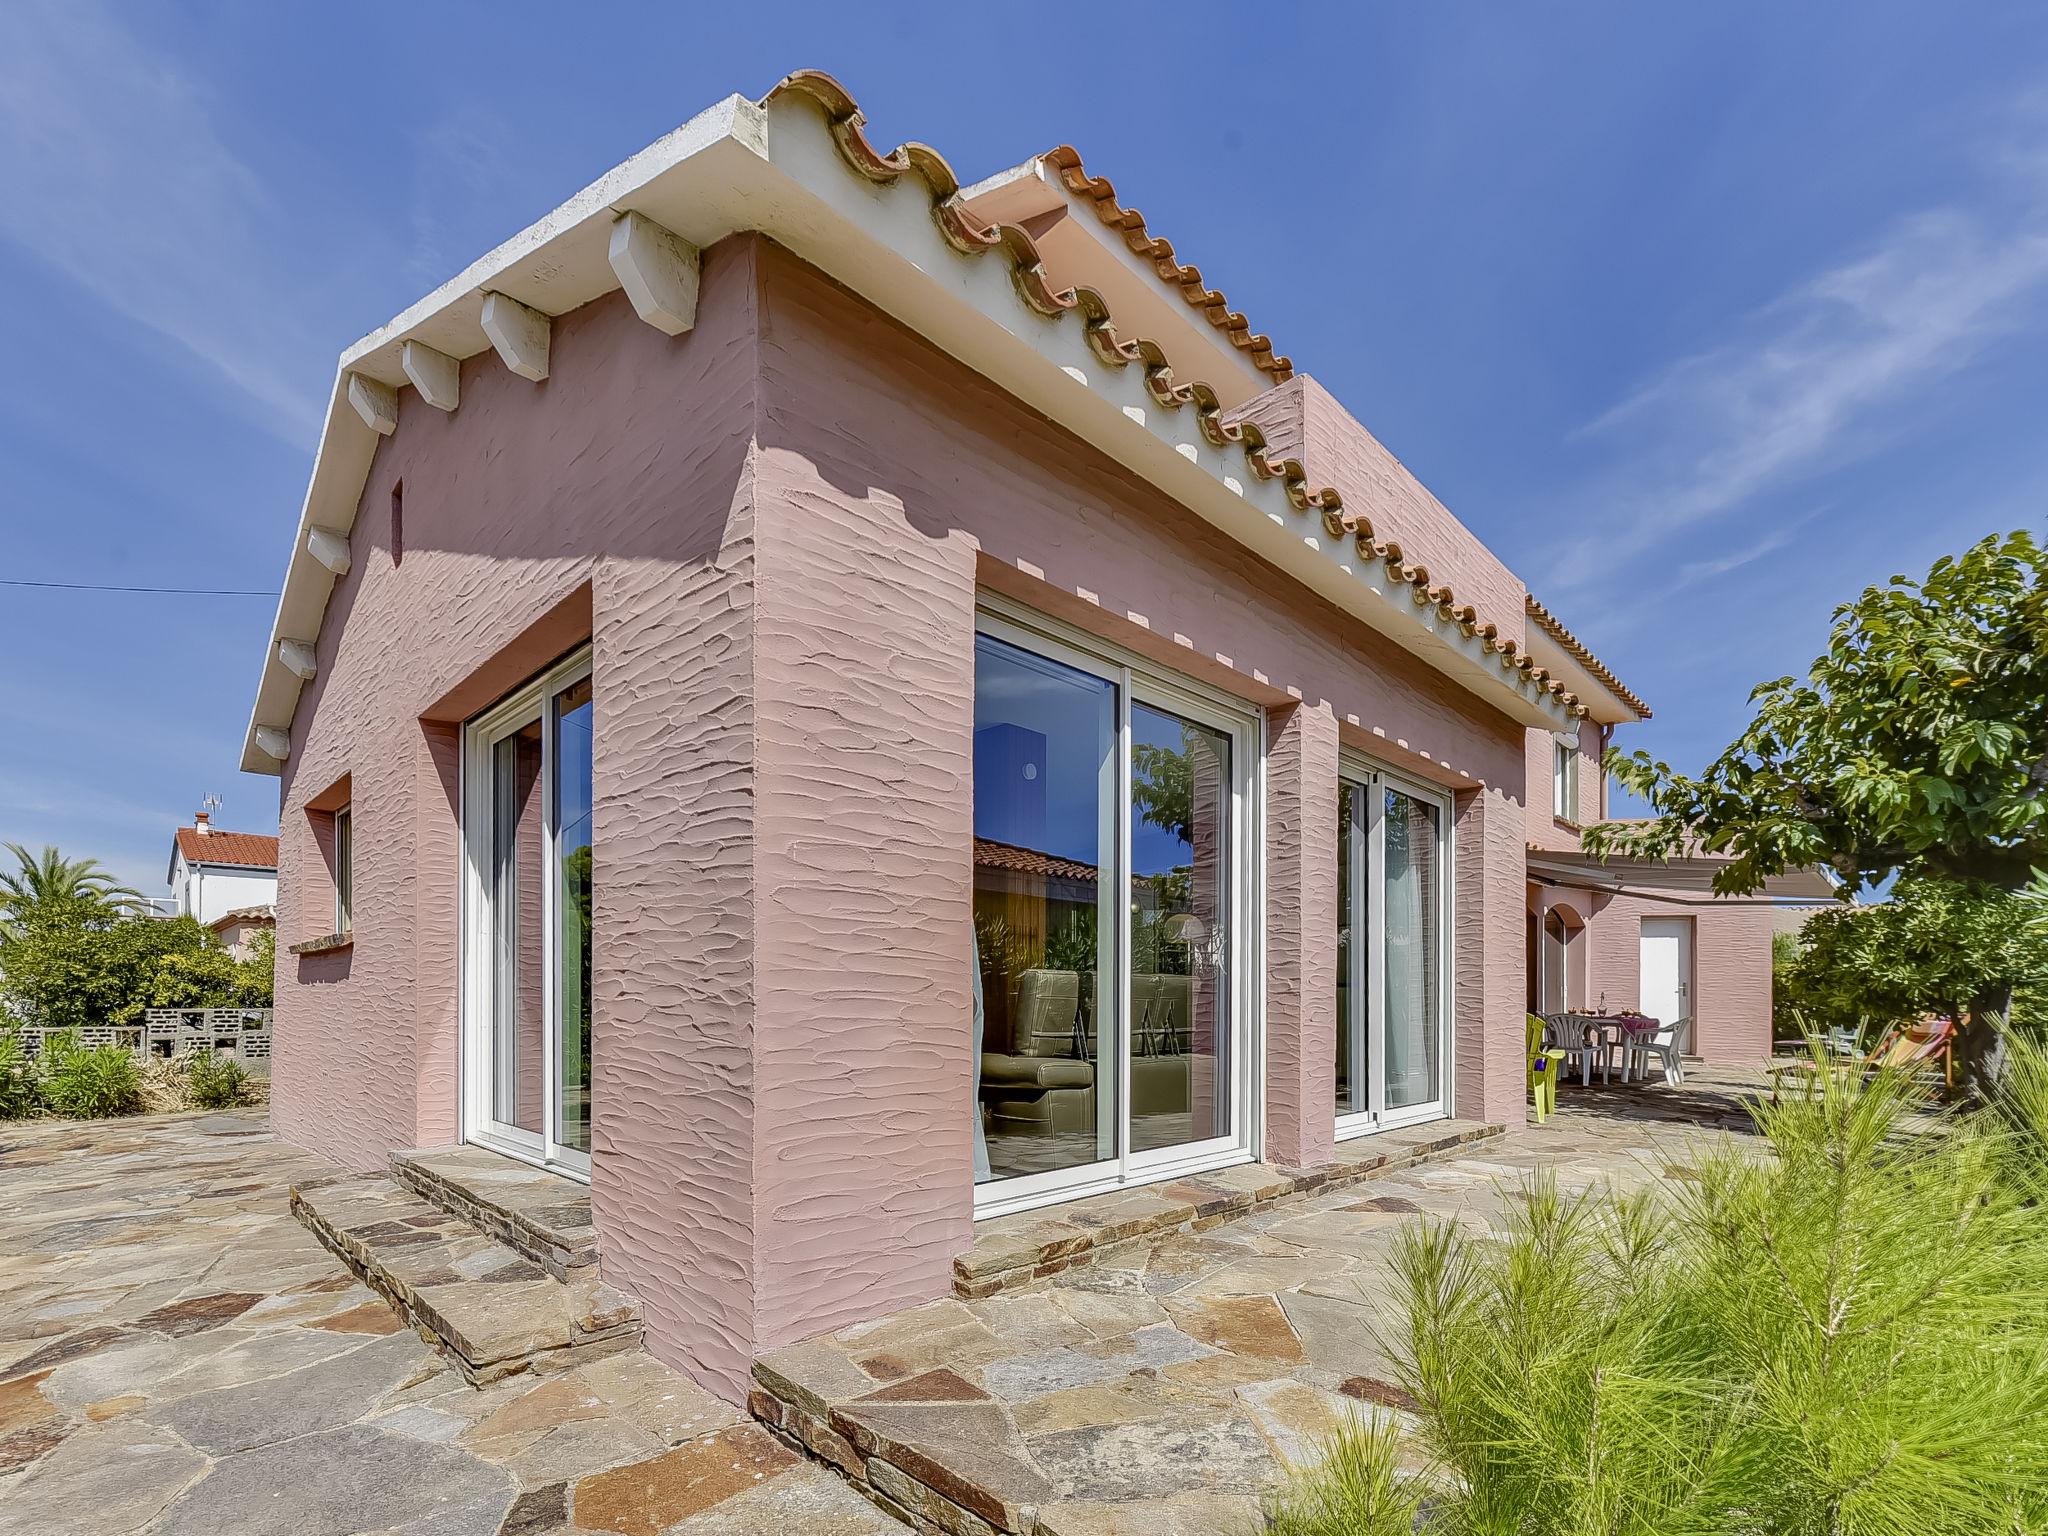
point(1180, 931)
point(517, 952)
point(1412, 944)
point(1044, 913)
point(573, 893)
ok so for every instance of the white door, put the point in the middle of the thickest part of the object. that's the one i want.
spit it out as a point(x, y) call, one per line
point(1665, 993)
point(527, 990)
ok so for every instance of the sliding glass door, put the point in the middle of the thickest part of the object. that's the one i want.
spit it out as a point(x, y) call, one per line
point(528, 850)
point(1392, 950)
point(1113, 893)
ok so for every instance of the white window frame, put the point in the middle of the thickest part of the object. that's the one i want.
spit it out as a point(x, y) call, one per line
point(479, 736)
point(344, 834)
point(1564, 779)
point(1140, 681)
point(1368, 960)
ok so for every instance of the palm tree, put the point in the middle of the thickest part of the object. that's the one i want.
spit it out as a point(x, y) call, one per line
point(51, 884)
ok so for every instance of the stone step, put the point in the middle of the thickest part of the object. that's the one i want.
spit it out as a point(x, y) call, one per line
point(542, 1215)
point(493, 1309)
point(1013, 1251)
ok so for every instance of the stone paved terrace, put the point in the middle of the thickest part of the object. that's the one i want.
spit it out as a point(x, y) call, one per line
point(1158, 1390)
point(179, 1357)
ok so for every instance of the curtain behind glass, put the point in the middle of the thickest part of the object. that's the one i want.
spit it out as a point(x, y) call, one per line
point(1412, 898)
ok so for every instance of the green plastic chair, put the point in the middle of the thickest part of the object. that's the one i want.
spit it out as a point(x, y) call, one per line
point(1543, 1064)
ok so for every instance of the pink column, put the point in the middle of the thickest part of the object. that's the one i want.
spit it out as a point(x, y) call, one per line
point(1301, 933)
point(1491, 921)
point(437, 924)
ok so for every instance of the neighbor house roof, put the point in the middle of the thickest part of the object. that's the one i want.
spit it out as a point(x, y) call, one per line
point(260, 914)
point(251, 850)
point(990, 854)
point(895, 228)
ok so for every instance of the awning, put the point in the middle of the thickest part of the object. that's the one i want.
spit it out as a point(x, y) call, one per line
point(1682, 882)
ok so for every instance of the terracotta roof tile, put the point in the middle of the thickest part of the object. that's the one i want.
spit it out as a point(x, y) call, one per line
point(990, 854)
point(253, 850)
point(969, 235)
point(1576, 648)
point(1158, 250)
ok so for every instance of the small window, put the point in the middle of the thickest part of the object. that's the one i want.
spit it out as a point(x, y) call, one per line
point(343, 869)
point(1564, 779)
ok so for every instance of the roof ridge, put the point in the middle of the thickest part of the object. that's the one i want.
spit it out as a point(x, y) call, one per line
point(1576, 649)
point(1158, 250)
point(970, 236)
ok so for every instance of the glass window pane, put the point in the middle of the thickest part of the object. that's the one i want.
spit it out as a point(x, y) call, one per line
point(1044, 914)
point(518, 952)
point(1180, 1001)
point(573, 892)
point(1412, 903)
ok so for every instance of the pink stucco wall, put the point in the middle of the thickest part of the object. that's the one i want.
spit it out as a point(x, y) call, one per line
point(1066, 529)
point(1302, 420)
point(772, 531)
point(1731, 941)
point(1301, 928)
point(621, 478)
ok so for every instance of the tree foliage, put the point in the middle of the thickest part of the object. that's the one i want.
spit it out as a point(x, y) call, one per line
point(49, 889)
point(1934, 948)
point(67, 975)
point(1918, 741)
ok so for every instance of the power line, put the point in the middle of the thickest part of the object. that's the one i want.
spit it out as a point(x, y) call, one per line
point(94, 586)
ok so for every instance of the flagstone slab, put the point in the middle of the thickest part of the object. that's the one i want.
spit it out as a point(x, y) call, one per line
point(339, 1482)
point(804, 1501)
point(1152, 1458)
point(110, 1479)
point(312, 1398)
point(646, 1497)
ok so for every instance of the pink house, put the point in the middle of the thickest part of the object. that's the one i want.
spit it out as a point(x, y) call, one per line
point(831, 704)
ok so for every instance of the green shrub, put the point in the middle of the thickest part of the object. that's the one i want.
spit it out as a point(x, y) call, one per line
point(92, 1084)
point(212, 1081)
point(17, 1078)
point(1849, 1337)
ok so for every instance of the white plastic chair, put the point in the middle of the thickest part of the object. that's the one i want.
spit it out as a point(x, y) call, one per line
point(1582, 1043)
point(1662, 1043)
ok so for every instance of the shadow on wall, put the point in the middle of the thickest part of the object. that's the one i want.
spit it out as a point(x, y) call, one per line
point(326, 968)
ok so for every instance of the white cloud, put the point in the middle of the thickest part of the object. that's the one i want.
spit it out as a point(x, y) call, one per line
point(111, 170)
point(1806, 382)
point(1746, 552)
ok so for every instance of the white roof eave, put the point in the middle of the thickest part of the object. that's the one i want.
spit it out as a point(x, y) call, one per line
point(777, 170)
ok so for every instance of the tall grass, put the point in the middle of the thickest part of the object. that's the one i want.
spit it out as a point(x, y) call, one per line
point(1851, 1337)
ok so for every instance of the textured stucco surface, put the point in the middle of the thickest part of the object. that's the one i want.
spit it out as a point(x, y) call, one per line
point(1490, 924)
point(624, 472)
point(1731, 942)
point(776, 525)
point(1302, 420)
point(1070, 532)
point(1301, 927)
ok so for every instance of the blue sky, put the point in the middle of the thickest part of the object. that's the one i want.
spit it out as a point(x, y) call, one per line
point(1704, 317)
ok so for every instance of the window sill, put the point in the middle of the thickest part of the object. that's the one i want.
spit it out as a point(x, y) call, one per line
point(1573, 827)
point(325, 944)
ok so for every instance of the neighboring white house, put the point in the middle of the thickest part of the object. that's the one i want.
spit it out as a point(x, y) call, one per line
point(214, 872)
